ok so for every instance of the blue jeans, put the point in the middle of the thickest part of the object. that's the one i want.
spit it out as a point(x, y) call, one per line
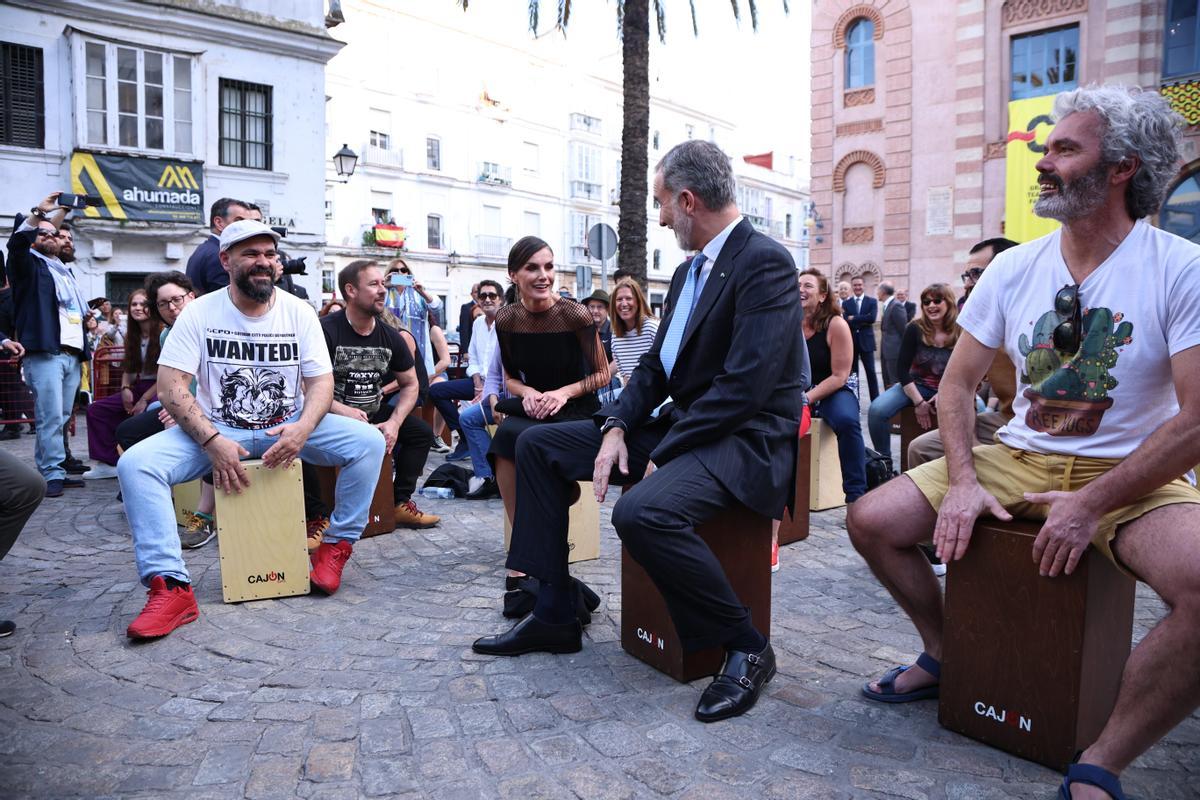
point(883, 408)
point(840, 412)
point(445, 394)
point(472, 425)
point(54, 379)
point(150, 468)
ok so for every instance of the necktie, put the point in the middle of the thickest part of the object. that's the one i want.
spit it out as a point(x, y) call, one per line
point(680, 316)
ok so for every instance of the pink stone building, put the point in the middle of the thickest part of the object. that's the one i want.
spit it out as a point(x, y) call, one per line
point(910, 116)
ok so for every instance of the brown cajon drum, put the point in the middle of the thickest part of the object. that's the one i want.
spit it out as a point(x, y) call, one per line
point(186, 497)
point(583, 526)
point(825, 469)
point(794, 528)
point(261, 537)
point(909, 430)
point(741, 541)
point(381, 518)
point(1031, 665)
point(430, 414)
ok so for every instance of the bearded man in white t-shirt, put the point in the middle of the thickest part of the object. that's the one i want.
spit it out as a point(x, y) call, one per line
point(264, 383)
point(1100, 319)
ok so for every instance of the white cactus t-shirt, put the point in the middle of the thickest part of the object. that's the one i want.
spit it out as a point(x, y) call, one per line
point(1138, 309)
point(249, 370)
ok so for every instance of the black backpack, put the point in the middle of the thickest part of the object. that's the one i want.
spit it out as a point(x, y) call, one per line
point(452, 476)
point(879, 469)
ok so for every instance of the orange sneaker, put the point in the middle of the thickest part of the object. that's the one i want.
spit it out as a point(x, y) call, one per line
point(166, 609)
point(328, 562)
point(316, 528)
point(409, 516)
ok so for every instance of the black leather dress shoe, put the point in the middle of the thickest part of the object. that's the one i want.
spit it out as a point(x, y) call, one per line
point(736, 688)
point(531, 635)
point(485, 490)
point(519, 602)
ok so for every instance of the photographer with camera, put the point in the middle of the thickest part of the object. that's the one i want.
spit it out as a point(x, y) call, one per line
point(49, 323)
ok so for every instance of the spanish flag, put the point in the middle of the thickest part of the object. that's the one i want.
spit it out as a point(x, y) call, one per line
point(390, 236)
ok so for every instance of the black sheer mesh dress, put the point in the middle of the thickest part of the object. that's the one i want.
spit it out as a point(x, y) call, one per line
point(547, 350)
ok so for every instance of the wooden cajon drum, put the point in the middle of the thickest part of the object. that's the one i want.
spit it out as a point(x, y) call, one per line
point(741, 541)
point(794, 528)
point(430, 415)
point(381, 518)
point(186, 497)
point(1031, 665)
point(825, 468)
point(909, 430)
point(583, 526)
point(261, 536)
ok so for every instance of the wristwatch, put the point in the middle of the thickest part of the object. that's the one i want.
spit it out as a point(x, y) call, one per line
point(610, 423)
point(37, 212)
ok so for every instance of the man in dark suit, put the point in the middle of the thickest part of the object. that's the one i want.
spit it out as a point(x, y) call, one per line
point(204, 268)
point(731, 355)
point(859, 310)
point(892, 320)
point(910, 308)
point(466, 321)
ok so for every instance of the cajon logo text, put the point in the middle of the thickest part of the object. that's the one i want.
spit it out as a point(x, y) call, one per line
point(1018, 721)
point(270, 577)
point(648, 637)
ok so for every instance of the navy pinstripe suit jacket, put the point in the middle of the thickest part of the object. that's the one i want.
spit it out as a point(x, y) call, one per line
point(739, 376)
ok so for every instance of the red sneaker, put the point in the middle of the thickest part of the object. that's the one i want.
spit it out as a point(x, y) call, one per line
point(166, 609)
point(328, 562)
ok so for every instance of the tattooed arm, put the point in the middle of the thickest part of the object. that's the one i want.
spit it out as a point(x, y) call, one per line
point(225, 454)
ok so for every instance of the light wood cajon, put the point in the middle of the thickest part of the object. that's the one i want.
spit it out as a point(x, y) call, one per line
point(186, 497)
point(825, 469)
point(583, 527)
point(261, 536)
point(794, 527)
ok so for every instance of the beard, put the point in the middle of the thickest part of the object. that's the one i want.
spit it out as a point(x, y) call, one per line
point(1073, 199)
point(66, 255)
point(255, 291)
point(682, 229)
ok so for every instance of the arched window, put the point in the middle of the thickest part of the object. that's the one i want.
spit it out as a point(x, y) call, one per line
point(1181, 213)
point(860, 54)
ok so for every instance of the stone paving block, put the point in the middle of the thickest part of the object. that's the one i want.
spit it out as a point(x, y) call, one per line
point(588, 780)
point(531, 715)
point(430, 723)
point(273, 777)
point(290, 738)
point(387, 777)
point(533, 787)
point(615, 739)
point(385, 735)
point(501, 756)
point(223, 764)
point(441, 760)
point(330, 761)
point(335, 724)
point(894, 783)
point(476, 719)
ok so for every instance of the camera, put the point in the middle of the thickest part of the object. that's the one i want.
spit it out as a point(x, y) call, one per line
point(282, 231)
point(293, 266)
point(68, 200)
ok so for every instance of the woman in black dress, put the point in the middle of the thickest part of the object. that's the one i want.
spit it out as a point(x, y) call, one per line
point(553, 366)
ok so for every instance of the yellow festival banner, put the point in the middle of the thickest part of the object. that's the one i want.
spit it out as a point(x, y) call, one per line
point(1028, 126)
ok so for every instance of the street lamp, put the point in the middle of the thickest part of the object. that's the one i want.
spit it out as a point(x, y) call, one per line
point(344, 161)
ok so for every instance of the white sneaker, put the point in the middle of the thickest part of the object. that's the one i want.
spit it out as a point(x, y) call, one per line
point(474, 483)
point(440, 447)
point(99, 471)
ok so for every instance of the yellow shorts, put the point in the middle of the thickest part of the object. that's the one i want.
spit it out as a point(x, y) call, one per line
point(1007, 474)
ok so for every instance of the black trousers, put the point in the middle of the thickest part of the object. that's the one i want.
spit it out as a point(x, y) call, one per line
point(21, 491)
point(138, 427)
point(410, 452)
point(868, 361)
point(656, 520)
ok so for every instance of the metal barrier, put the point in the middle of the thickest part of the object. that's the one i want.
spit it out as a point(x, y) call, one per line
point(106, 371)
point(16, 399)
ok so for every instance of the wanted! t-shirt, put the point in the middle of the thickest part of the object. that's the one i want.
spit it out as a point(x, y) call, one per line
point(362, 365)
point(248, 370)
point(1139, 308)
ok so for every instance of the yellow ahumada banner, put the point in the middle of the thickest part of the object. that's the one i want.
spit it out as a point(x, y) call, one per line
point(1028, 126)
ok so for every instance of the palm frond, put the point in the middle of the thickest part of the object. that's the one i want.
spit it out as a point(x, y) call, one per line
point(564, 14)
point(533, 16)
point(463, 3)
point(737, 11)
point(786, 10)
point(753, 15)
point(695, 26)
point(661, 18)
point(620, 20)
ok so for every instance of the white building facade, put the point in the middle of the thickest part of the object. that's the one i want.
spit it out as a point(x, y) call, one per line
point(469, 141)
point(159, 109)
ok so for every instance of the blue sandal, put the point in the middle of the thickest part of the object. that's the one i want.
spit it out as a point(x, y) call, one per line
point(887, 684)
point(1092, 775)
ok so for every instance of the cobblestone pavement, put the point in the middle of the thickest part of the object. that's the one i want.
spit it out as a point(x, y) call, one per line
point(375, 692)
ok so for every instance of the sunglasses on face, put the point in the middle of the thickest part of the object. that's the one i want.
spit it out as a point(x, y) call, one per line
point(488, 296)
point(973, 274)
point(1068, 334)
point(932, 301)
point(48, 234)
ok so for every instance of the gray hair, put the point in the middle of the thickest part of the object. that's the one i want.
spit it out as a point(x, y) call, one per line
point(1136, 123)
point(887, 288)
point(702, 168)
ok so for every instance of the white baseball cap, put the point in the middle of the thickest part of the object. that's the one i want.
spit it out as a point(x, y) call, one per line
point(242, 230)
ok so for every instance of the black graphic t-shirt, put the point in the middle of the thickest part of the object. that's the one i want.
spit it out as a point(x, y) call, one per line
point(249, 370)
point(363, 365)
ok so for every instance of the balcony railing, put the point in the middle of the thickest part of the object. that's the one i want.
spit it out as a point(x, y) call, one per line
point(487, 245)
point(373, 156)
point(582, 122)
point(586, 191)
point(494, 174)
point(580, 255)
point(770, 227)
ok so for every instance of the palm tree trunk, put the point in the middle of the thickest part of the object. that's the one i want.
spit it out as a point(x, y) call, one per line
point(635, 133)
